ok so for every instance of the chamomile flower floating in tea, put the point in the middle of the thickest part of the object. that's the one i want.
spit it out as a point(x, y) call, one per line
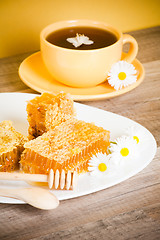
point(100, 164)
point(122, 150)
point(79, 40)
point(122, 74)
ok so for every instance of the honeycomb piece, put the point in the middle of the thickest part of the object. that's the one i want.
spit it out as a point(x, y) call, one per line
point(68, 146)
point(11, 146)
point(47, 111)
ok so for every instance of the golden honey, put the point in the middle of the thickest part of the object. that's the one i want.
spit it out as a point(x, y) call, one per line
point(11, 147)
point(47, 111)
point(68, 146)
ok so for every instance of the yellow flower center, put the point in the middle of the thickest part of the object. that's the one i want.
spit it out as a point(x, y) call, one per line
point(136, 138)
point(102, 167)
point(124, 152)
point(122, 75)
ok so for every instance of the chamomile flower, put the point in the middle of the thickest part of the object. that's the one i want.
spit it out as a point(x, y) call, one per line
point(122, 74)
point(99, 164)
point(122, 150)
point(79, 40)
point(137, 134)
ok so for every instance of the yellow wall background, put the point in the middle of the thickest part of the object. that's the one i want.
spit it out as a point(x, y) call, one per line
point(22, 20)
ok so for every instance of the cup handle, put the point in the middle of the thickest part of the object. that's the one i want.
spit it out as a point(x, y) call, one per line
point(133, 50)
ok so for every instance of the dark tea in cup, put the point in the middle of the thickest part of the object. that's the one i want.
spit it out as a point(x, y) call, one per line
point(87, 64)
point(101, 38)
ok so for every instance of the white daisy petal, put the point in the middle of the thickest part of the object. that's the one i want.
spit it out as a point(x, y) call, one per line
point(138, 135)
point(124, 149)
point(122, 74)
point(99, 165)
point(79, 40)
point(73, 41)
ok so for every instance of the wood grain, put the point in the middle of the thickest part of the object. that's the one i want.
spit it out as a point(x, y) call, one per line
point(129, 210)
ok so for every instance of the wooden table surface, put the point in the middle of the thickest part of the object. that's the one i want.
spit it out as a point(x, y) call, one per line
point(129, 210)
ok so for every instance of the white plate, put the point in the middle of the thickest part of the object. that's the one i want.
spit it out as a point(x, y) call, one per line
point(13, 107)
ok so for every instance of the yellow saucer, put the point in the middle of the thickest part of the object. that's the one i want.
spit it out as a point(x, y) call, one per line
point(35, 75)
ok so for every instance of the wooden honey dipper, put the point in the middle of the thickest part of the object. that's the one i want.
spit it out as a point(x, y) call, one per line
point(58, 180)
